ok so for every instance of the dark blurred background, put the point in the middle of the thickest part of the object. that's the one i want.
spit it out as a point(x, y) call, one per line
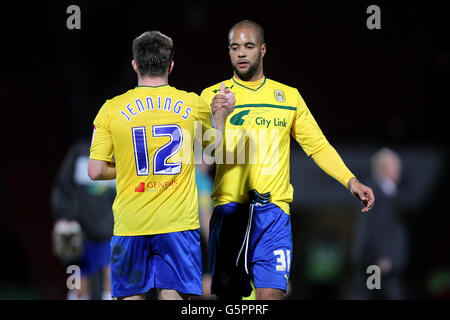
point(366, 88)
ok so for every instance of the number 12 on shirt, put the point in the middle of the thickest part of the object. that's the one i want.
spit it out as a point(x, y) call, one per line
point(160, 164)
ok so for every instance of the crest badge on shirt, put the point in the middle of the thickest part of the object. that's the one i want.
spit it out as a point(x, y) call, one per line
point(279, 96)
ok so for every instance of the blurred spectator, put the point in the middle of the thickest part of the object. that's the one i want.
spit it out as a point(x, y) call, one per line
point(380, 237)
point(82, 210)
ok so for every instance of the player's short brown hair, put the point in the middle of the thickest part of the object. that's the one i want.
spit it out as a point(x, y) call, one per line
point(153, 53)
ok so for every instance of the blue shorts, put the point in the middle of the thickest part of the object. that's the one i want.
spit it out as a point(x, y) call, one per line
point(96, 256)
point(265, 260)
point(165, 261)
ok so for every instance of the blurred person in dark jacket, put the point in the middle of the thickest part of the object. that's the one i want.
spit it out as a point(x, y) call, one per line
point(380, 238)
point(82, 210)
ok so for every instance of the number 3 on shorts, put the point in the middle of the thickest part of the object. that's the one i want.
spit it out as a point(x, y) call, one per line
point(282, 262)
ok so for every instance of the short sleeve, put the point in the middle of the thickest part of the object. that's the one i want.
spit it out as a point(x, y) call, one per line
point(207, 95)
point(204, 117)
point(102, 144)
point(204, 114)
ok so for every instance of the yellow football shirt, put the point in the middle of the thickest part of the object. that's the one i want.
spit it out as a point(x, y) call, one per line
point(149, 132)
point(257, 141)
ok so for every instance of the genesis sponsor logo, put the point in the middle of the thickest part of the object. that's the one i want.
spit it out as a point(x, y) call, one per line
point(153, 186)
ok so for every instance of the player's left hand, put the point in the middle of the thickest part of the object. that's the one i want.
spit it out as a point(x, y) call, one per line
point(363, 193)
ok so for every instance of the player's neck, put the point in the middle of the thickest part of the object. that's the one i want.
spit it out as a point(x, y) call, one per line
point(153, 81)
point(256, 77)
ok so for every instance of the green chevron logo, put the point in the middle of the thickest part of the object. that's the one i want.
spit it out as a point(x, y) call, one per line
point(237, 118)
point(217, 90)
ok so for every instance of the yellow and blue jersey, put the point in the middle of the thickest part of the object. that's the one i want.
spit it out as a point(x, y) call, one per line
point(149, 132)
point(257, 140)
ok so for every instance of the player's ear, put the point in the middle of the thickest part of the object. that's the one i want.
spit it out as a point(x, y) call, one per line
point(133, 63)
point(263, 49)
point(171, 66)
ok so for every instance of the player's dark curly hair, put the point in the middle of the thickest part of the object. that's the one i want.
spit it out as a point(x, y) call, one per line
point(153, 53)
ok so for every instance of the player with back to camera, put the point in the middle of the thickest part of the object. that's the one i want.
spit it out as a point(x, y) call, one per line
point(148, 130)
point(250, 228)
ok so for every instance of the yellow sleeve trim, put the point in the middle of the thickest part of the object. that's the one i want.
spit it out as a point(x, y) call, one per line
point(329, 161)
point(99, 157)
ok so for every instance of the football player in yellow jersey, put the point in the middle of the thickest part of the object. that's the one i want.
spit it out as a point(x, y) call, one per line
point(149, 132)
point(250, 229)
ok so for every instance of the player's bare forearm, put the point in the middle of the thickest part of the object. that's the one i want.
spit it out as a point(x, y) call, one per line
point(363, 193)
point(219, 121)
point(101, 170)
